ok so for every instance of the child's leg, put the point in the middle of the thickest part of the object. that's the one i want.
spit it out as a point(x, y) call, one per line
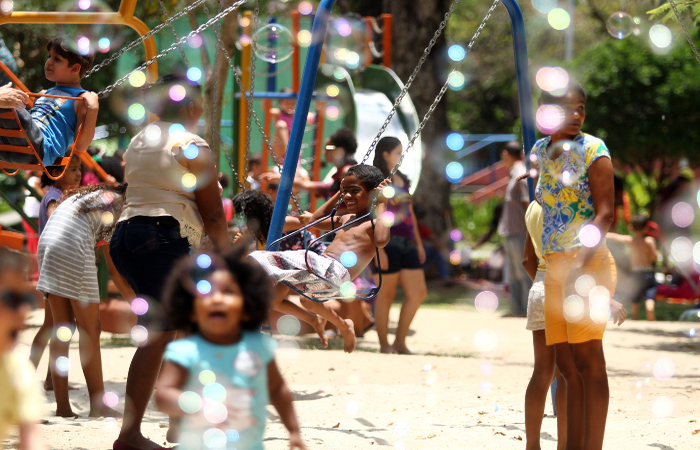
point(345, 326)
point(385, 297)
point(60, 309)
point(413, 284)
point(536, 393)
point(40, 341)
point(590, 363)
point(87, 316)
point(650, 303)
point(560, 402)
point(574, 396)
point(279, 303)
point(635, 311)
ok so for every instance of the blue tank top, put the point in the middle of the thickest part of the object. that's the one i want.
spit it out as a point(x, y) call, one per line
point(57, 120)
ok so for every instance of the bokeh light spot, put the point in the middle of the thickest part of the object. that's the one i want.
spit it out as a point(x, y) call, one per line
point(544, 6)
point(457, 80)
point(389, 192)
point(332, 90)
point(455, 257)
point(204, 261)
point(139, 306)
point(682, 249)
point(214, 412)
point(348, 289)
point(589, 235)
point(6, 7)
point(136, 112)
point(110, 399)
point(348, 259)
point(660, 35)
point(486, 302)
point(206, 377)
point(454, 172)
point(189, 182)
point(662, 407)
point(62, 366)
point(194, 74)
point(584, 284)
point(195, 41)
point(664, 369)
point(214, 391)
point(139, 334)
point(549, 118)
point(214, 438)
point(353, 408)
point(137, 79)
point(152, 134)
point(305, 8)
point(559, 19)
point(574, 308)
point(682, 214)
point(486, 369)
point(288, 325)
point(332, 112)
point(64, 334)
point(485, 340)
point(388, 218)
point(455, 141)
point(189, 402)
point(304, 38)
point(177, 93)
point(456, 235)
point(456, 52)
point(203, 287)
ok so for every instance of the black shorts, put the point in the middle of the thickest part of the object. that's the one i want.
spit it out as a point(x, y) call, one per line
point(32, 131)
point(645, 286)
point(144, 251)
point(402, 254)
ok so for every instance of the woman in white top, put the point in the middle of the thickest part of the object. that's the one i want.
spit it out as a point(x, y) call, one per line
point(172, 198)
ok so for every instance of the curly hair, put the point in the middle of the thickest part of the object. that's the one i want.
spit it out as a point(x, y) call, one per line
point(179, 292)
point(386, 145)
point(96, 203)
point(157, 96)
point(369, 176)
point(345, 139)
point(258, 211)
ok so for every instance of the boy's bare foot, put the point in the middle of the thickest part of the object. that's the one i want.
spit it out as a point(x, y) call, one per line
point(401, 349)
point(320, 329)
point(348, 334)
point(135, 443)
point(105, 411)
point(66, 412)
point(387, 349)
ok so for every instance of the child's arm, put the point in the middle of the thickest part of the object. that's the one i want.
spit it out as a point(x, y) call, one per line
point(651, 242)
point(281, 398)
point(530, 261)
point(292, 223)
point(321, 212)
point(169, 388)
point(621, 238)
point(119, 280)
point(87, 111)
point(382, 233)
point(30, 437)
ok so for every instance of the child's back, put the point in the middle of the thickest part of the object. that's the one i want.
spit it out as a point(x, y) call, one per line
point(642, 252)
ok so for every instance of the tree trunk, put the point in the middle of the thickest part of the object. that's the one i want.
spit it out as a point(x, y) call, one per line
point(414, 23)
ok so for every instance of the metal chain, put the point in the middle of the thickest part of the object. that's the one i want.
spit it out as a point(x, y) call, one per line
point(172, 28)
point(237, 77)
point(443, 90)
point(140, 39)
point(373, 48)
point(193, 33)
point(422, 60)
point(685, 30)
point(375, 25)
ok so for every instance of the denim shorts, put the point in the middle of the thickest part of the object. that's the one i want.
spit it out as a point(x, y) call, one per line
point(144, 251)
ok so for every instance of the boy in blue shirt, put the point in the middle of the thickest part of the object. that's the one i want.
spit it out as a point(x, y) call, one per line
point(52, 123)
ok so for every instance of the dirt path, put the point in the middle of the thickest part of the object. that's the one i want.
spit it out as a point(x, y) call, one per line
point(450, 395)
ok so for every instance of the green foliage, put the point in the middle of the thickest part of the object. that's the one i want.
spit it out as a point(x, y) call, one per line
point(643, 104)
point(665, 12)
point(473, 219)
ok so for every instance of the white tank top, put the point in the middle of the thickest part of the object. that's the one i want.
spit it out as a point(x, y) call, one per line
point(158, 184)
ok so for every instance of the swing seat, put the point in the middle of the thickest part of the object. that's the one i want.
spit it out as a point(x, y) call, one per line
point(59, 166)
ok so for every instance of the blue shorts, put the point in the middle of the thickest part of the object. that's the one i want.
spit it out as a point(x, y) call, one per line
point(144, 251)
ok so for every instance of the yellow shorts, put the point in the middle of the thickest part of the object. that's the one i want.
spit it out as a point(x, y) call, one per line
point(579, 327)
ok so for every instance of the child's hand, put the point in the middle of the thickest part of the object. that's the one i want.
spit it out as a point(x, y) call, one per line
point(617, 312)
point(12, 98)
point(275, 113)
point(295, 441)
point(270, 177)
point(91, 100)
point(379, 190)
point(305, 218)
point(237, 237)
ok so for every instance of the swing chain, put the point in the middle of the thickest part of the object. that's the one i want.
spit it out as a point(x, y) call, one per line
point(409, 82)
point(172, 28)
point(375, 25)
point(685, 30)
point(375, 52)
point(140, 39)
point(443, 90)
point(193, 33)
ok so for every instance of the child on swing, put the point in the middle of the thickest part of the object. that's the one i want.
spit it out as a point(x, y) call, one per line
point(358, 188)
point(52, 123)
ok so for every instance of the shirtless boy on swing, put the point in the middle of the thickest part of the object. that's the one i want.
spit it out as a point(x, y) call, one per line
point(358, 188)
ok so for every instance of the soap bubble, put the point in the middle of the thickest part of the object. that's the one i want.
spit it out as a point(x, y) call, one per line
point(549, 118)
point(207, 376)
point(215, 412)
point(109, 34)
point(664, 369)
point(682, 214)
point(660, 35)
point(64, 334)
point(139, 306)
point(214, 391)
point(348, 259)
point(573, 308)
point(559, 19)
point(584, 284)
point(62, 366)
point(486, 302)
point(620, 25)
point(110, 399)
point(455, 172)
point(139, 335)
point(662, 407)
point(346, 41)
point(288, 325)
point(682, 249)
point(455, 141)
point(544, 6)
point(485, 340)
point(589, 235)
point(214, 438)
point(273, 43)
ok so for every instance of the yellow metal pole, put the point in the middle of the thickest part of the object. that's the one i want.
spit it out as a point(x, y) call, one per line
point(246, 56)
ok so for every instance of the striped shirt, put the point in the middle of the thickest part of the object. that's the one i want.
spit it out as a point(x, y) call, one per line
point(66, 252)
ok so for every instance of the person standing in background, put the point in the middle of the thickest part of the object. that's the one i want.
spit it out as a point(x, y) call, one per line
point(512, 228)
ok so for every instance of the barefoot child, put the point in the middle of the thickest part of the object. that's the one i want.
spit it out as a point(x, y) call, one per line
point(643, 256)
point(52, 123)
point(360, 184)
point(68, 277)
point(21, 401)
point(53, 192)
point(222, 302)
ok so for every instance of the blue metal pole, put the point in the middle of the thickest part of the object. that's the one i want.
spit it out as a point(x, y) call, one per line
point(291, 159)
point(522, 72)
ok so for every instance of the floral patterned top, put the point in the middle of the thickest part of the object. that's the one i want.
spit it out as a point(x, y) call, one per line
point(564, 191)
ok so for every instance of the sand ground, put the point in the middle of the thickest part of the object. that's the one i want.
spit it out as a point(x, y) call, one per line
point(450, 395)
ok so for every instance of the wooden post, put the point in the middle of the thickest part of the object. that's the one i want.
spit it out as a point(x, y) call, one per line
point(246, 70)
